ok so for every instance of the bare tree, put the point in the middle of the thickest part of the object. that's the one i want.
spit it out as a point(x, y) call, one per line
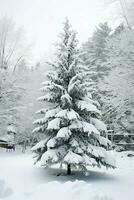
point(13, 44)
point(124, 10)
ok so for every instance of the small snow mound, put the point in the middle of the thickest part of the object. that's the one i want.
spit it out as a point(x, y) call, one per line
point(4, 190)
point(77, 190)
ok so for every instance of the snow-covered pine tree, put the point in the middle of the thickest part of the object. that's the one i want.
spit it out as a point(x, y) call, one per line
point(95, 51)
point(71, 126)
point(117, 87)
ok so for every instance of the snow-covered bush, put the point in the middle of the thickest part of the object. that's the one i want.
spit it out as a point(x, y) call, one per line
point(71, 125)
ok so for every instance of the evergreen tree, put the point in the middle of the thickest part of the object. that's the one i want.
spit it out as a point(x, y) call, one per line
point(95, 51)
point(71, 127)
point(117, 87)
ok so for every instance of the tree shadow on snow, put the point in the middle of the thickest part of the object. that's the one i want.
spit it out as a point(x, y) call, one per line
point(54, 174)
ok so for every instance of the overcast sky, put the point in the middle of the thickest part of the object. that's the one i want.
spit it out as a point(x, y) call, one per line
point(43, 19)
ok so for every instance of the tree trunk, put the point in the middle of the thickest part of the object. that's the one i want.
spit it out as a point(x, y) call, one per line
point(68, 169)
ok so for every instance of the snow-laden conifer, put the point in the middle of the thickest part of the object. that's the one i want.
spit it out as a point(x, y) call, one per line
point(71, 127)
point(95, 52)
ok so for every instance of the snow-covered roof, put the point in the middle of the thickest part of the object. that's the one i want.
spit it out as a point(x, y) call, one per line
point(7, 138)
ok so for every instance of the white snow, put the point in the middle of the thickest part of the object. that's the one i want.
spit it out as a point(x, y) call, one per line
point(38, 129)
point(73, 86)
point(66, 98)
point(51, 85)
point(23, 181)
point(54, 124)
point(104, 141)
point(40, 121)
point(76, 125)
point(68, 114)
point(73, 158)
point(40, 144)
point(51, 143)
point(84, 105)
point(89, 128)
point(74, 143)
point(88, 99)
point(64, 133)
point(49, 155)
point(51, 113)
point(98, 124)
point(52, 156)
point(89, 161)
point(96, 151)
point(47, 96)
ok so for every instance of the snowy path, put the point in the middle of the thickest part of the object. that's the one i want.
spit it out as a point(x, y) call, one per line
point(31, 183)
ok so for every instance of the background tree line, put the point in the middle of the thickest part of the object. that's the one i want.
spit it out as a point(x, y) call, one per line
point(107, 53)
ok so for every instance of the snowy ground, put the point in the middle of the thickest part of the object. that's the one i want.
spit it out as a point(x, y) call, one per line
point(20, 180)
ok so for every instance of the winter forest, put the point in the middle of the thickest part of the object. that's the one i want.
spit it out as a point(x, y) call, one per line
point(66, 100)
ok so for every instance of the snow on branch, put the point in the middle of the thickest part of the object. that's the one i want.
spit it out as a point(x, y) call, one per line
point(52, 113)
point(84, 126)
point(74, 86)
point(104, 141)
point(53, 77)
point(89, 128)
point(52, 156)
point(76, 125)
point(109, 161)
point(64, 133)
point(63, 66)
point(40, 144)
point(52, 86)
point(66, 100)
point(51, 143)
point(40, 121)
point(74, 143)
point(96, 151)
point(75, 78)
point(89, 100)
point(98, 124)
point(73, 64)
point(46, 83)
point(39, 129)
point(68, 114)
point(49, 114)
point(54, 124)
point(83, 105)
point(46, 97)
point(49, 157)
point(73, 158)
point(89, 161)
point(44, 110)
